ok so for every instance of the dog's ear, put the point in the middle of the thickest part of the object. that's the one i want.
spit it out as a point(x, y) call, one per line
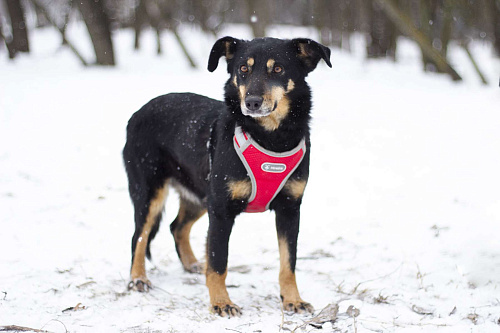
point(226, 46)
point(310, 53)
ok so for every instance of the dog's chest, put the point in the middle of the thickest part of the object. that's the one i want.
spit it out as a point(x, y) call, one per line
point(268, 171)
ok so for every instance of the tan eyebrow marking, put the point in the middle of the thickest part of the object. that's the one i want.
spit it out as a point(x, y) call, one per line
point(250, 62)
point(270, 65)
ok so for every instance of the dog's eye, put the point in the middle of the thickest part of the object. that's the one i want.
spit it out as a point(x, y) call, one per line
point(244, 69)
point(278, 69)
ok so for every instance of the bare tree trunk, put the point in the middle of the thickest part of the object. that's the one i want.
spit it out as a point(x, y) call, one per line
point(141, 17)
point(447, 27)
point(424, 11)
point(98, 25)
point(2, 39)
point(496, 24)
point(348, 23)
point(19, 41)
point(158, 14)
point(404, 24)
point(323, 20)
point(67, 16)
point(258, 12)
point(382, 42)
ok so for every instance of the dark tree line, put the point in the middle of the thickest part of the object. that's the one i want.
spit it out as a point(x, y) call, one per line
point(431, 23)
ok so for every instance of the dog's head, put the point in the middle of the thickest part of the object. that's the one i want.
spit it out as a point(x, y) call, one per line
point(265, 70)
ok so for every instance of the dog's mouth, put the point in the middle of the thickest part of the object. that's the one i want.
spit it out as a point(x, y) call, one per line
point(262, 112)
point(265, 110)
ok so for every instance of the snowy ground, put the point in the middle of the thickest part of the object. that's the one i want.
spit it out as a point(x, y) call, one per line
point(400, 219)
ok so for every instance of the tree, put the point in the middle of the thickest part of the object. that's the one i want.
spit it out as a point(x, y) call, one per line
point(382, 41)
point(494, 6)
point(98, 25)
point(140, 19)
point(404, 24)
point(258, 16)
point(19, 41)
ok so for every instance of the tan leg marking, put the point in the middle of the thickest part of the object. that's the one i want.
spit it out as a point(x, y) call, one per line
point(240, 189)
point(295, 188)
point(270, 65)
point(138, 271)
point(219, 298)
point(288, 286)
point(181, 237)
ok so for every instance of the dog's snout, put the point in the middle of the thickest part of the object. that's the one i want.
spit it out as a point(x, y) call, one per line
point(253, 103)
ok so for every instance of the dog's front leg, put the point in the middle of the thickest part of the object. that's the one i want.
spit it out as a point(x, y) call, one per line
point(287, 226)
point(219, 230)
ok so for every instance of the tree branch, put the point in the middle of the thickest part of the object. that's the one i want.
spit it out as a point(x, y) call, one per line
point(40, 7)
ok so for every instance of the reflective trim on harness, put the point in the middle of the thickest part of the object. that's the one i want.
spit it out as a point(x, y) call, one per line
point(268, 170)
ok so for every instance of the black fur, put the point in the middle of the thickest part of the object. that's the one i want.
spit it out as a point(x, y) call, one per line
point(187, 138)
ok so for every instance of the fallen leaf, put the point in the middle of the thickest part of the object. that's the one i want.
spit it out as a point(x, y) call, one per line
point(421, 311)
point(326, 315)
point(352, 311)
point(77, 307)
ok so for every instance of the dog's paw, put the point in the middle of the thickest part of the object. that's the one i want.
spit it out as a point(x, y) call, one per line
point(196, 268)
point(298, 307)
point(140, 285)
point(227, 310)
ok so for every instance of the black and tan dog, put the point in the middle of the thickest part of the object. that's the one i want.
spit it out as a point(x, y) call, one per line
point(188, 142)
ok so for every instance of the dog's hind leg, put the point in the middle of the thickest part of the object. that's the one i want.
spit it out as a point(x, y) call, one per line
point(189, 213)
point(148, 217)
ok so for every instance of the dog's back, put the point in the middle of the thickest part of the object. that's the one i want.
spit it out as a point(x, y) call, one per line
point(166, 137)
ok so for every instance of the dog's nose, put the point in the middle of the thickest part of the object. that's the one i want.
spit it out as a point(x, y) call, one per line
point(253, 103)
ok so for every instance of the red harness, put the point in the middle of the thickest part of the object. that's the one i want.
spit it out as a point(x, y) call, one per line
point(268, 170)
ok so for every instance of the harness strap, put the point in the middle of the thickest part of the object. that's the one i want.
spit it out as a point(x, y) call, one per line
point(268, 170)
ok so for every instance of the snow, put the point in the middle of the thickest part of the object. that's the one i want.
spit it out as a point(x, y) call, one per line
point(400, 218)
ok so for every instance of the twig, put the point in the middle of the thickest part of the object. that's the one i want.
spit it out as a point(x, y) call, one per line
point(183, 47)
point(381, 277)
point(402, 324)
point(465, 46)
point(353, 313)
point(77, 307)
point(65, 329)
point(16, 328)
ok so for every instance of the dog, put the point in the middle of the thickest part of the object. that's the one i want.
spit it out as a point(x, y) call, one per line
point(249, 153)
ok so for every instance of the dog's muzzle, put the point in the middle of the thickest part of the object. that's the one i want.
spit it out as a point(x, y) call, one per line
point(253, 107)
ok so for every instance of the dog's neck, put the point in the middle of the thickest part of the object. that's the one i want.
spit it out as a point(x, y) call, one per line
point(284, 138)
point(291, 130)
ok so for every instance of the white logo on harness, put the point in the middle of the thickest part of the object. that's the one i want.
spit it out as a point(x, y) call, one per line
point(273, 167)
